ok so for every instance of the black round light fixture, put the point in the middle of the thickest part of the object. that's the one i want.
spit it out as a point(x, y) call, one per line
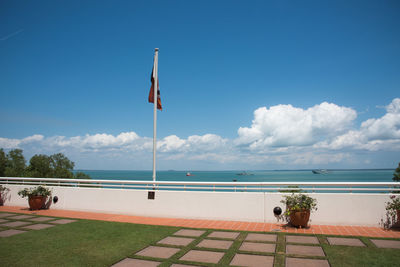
point(277, 211)
point(55, 199)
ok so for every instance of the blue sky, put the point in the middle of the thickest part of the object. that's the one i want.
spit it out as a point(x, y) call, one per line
point(244, 84)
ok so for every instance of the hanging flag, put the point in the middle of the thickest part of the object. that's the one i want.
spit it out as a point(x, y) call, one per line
point(151, 94)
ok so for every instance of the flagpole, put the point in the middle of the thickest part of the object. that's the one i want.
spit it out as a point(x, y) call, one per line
point(155, 112)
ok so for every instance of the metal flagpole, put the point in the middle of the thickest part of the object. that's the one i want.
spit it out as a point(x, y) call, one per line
point(155, 73)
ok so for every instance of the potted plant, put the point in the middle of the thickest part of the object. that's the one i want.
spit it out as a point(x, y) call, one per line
point(393, 208)
point(298, 208)
point(37, 196)
point(3, 193)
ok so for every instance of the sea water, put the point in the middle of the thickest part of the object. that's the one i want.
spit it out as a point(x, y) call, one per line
point(381, 175)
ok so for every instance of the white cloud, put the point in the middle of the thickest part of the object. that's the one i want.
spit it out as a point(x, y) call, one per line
point(281, 135)
point(193, 144)
point(9, 143)
point(171, 143)
point(97, 141)
point(374, 134)
point(285, 125)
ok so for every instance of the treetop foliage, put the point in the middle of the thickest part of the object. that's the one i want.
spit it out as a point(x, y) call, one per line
point(396, 174)
point(13, 164)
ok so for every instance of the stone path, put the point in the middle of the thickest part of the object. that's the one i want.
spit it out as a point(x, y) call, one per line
point(194, 247)
point(188, 247)
point(14, 224)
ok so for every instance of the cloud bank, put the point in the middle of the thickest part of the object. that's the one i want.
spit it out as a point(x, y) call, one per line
point(281, 136)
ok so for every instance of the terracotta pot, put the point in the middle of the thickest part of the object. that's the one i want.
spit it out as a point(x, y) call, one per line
point(36, 202)
point(299, 218)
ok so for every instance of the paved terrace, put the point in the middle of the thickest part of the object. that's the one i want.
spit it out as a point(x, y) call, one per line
point(212, 224)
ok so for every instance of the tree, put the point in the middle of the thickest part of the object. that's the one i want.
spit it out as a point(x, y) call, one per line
point(62, 166)
point(15, 166)
point(396, 174)
point(81, 175)
point(58, 165)
point(3, 162)
point(40, 166)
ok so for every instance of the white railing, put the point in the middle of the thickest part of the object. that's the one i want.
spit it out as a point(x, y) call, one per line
point(337, 187)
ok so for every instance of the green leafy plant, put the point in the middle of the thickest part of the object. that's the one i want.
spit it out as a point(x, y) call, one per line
point(3, 194)
point(35, 191)
point(3, 189)
point(393, 206)
point(291, 189)
point(396, 174)
point(299, 202)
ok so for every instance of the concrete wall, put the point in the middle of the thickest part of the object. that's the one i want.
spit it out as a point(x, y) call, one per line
point(333, 209)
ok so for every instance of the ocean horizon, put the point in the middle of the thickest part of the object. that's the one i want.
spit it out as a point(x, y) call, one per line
point(304, 175)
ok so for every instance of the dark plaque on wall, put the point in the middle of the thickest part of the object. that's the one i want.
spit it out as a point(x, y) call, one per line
point(151, 195)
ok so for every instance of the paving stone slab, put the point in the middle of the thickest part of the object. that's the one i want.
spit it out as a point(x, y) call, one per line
point(2, 215)
point(296, 262)
point(158, 252)
point(302, 239)
point(3, 221)
point(128, 262)
point(221, 244)
point(15, 224)
point(355, 242)
point(203, 256)
point(252, 260)
point(63, 221)
point(38, 226)
point(41, 219)
point(261, 237)
point(305, 250)
point(176, 241)
point(386, 243)
point(10, 232)
point(21, 217)
point(227, 235)
point(257, 247)
point(187, 232)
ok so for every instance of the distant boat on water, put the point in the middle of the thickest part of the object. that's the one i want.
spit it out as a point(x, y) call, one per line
point(320, 171)
point(244, 173)
point(189, 174)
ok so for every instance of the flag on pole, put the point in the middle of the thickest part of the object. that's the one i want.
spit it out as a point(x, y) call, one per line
point(151, 94)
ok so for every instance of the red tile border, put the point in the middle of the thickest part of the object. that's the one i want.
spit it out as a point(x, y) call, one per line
point(212, 224)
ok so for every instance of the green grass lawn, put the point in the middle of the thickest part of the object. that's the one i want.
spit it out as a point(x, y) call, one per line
point(98, 243)
point(362, 256)
point(82, 243)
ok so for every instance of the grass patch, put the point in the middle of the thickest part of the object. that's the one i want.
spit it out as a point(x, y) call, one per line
point(82, 243)
point(357, 256)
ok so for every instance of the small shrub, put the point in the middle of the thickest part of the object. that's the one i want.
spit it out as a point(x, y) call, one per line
point(393, 206)
point(3, 189)
point(35, 191)
point(3, 194)
point(299, 202)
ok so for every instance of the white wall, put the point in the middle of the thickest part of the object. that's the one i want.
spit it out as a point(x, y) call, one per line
point(333, 209)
